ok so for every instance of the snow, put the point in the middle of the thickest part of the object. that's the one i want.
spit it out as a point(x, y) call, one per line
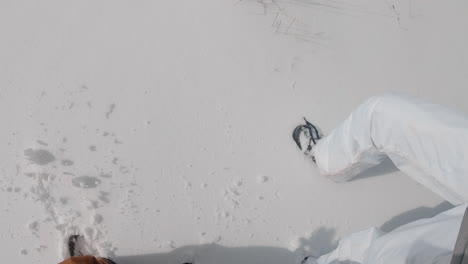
point(161, 131)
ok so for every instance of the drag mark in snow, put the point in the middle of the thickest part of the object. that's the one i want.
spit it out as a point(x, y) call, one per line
point(67, 162)
point(111, 110)
point(105, 175)
point(97, 219)
point(40, 142)
point(33, 226)
point(104, 196)
point(39, 156)
point(289, 25)
point(262, 179)
point(395, 12)
point(86, 182)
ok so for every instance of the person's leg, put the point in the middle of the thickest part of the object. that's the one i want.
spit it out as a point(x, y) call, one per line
point(426, 141)
point(429, 240)
point(87, 260)
point(351, 249)
point(82, 260)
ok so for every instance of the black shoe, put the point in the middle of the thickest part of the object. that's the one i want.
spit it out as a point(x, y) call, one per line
point(72, 240)
point(306, 259)
point(306, 137)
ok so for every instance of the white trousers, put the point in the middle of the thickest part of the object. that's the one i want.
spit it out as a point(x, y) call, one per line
point(429, 143)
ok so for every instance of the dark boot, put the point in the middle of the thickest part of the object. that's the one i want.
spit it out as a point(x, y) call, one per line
point(72, 240)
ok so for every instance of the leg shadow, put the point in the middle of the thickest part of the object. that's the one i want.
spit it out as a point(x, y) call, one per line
point(214, 254)
point(386, 167)
point(319, 242)
point(413, 215)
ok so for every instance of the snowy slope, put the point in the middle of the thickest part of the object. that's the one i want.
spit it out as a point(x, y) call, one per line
point(161, 129)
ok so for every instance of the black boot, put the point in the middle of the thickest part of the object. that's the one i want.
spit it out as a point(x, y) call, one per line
point(71, 244)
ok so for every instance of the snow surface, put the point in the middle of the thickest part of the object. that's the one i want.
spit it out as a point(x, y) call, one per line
point(161, 130)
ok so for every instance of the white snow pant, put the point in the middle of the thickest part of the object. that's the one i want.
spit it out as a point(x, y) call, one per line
point(427, 142)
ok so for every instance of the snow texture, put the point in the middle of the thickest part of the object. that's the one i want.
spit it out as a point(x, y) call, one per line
point(161, 131)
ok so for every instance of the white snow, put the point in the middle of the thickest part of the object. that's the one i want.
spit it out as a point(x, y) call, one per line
point(161, 131)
